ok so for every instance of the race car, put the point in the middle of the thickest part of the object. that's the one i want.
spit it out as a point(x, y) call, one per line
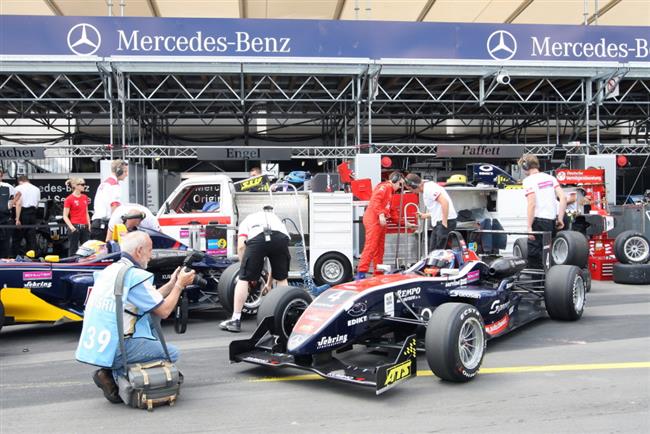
point(54, 290)
point(448, 305)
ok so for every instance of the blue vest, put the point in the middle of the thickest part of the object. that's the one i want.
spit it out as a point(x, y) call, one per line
point(99, 339)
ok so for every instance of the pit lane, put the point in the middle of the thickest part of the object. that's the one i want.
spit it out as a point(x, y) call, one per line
point(593, 375)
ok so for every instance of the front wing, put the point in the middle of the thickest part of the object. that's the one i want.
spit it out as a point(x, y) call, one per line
point(260, 349)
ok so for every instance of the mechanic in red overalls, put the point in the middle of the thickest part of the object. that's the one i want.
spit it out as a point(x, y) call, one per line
point(375, 223)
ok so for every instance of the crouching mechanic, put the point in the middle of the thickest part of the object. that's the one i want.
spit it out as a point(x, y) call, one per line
point(133, 216)
point(261, 235)
point(99, 341)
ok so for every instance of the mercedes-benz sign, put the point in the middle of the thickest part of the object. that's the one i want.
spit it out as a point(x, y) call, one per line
point(501, 45)
point(84, 39)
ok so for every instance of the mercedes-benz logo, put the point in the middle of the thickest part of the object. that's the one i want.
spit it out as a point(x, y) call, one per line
point(84, 39)
point(501, 45)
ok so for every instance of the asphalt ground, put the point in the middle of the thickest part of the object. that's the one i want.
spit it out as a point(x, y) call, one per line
point(548, 377)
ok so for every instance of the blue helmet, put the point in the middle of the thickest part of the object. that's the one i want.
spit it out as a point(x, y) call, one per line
point(297, 177)
point(211, 206)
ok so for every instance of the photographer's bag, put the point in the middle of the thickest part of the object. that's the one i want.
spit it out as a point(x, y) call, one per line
point(150, 384)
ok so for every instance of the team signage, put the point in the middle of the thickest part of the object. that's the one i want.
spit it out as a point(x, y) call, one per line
point(129, 36)
point(245, 153)
point(480, 151)
point(20, 153)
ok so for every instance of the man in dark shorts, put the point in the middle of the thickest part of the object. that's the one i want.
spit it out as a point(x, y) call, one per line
point(261, 235)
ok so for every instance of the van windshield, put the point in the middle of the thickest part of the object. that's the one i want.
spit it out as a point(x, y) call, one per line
point(197, 198)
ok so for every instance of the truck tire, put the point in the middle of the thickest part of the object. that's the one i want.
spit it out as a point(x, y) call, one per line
point(285, 304)
point(226, 290)
point(570, 248)
point(332, 269)
point(455, 342)
point(520, 248)
point(632, 247)
point(632, 274)
point(564, 292)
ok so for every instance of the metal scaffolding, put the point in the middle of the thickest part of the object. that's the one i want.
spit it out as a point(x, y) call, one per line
point(326, 109)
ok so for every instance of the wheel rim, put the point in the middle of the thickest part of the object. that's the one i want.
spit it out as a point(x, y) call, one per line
point(471, 343)
point(560, 251)
point(290, 315)
point(332, 270)
point(516, 251)
point(578, 294)
point(636, 249)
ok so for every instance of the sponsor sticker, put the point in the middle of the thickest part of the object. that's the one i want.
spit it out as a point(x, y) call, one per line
point(398, 372)
point(404, 295)
point(389, 304)
point(359, 320)
point(330, 341)
point(473, 276)
point(498, 326)
point(358, 309)
point(37, 275)
point(38, 285)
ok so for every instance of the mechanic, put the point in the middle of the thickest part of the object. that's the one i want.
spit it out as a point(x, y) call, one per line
point(134, 216)
point(255, 171)
point(107, 198)
point(375, 223)
point(75, 214)
point(544, 212)
point(440, 209)
point(261, 235)
point(7, 193)
point(99, 343)
point(27, 198)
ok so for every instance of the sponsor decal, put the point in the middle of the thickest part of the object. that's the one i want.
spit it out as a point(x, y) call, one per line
point(497, 307)
point(38, 285)
point(184, 233)
point(473, 276)
point(358, 309)
point(459, 282)
point(398, 372)
point(359, 320)
point(340, 376)
point(389, 304)
point(498, 326)
point(256, 360)
point(404, 295)
point(465, 293)
point(37, 275)
point(330, 341)
point(501, 45)
point(296, 340)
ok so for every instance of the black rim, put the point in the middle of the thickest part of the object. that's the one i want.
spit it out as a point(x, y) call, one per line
point(291, 314)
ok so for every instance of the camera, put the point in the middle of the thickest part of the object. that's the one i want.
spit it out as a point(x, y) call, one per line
point(503, 77)
point(191, 258)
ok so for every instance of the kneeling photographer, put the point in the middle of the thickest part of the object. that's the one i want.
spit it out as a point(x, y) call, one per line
point(99, 343)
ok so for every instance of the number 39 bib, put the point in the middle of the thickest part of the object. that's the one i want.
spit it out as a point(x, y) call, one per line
point(99, 337)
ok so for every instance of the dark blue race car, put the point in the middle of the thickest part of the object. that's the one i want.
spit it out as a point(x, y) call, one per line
point(448, 305)
point(34, 291)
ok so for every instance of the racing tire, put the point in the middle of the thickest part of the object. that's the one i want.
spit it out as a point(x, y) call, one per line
point(181, 314)
point(564, 292)
point(2, 315)
point(520, 248)
point(285, 304)
point(332, 269)
point(570, 248)
point(632, 274)
point(455, 342)
point(631, 247)
point(226, 290)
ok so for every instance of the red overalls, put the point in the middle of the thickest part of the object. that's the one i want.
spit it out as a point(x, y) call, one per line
point(373, 249)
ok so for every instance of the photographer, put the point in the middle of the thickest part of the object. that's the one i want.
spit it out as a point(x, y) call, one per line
point(99, 341)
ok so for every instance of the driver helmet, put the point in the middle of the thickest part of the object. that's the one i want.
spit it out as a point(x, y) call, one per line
point(297, 177)
point(441, 259)
point(91, 247)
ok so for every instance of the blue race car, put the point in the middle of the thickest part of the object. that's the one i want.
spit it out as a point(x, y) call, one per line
point(448, 305)
point(55, 291)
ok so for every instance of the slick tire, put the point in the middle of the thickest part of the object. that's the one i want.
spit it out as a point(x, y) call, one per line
point(632, 274)
point(181, 315)
point(285, 304)
point(455, 342)
point(564, 292)
point(632, 247)
point(332, 269)
point(570, 248)
point(520, 248)
point(226, 290)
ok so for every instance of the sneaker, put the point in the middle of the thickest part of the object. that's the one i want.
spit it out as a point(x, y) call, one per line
point(232, 325)
point(360, 276)
point(103, 378)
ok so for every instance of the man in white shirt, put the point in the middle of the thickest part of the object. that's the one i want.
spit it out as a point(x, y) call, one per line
point(546, 204)
point(107, 198)
point(28, 196)
point(261, 235)
point(7, 194)
point(440, 209)
point(134, 216)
